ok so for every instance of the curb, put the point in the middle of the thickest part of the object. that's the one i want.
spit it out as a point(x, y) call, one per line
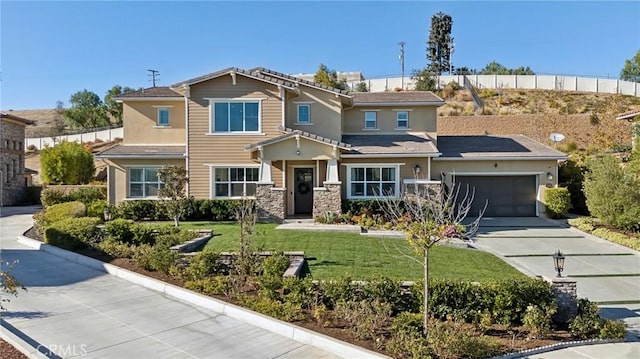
point(558, 346)
point(294, 332)
point(9, 335)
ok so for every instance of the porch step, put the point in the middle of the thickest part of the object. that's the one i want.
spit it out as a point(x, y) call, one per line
point(298, 221)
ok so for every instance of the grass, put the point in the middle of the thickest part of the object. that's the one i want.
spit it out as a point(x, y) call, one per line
point(347, 254)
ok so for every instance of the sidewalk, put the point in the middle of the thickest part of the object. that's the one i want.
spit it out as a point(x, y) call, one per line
point(73, 310)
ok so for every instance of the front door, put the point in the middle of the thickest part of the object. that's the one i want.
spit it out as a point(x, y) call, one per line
point(303, 190)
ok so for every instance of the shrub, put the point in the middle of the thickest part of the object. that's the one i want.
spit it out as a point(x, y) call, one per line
point(116, 249)
point(204, 264)
point(284, 311)
point(71, 233)
point(89, 194)
point(408, 346)
point(195, 210)
point(66, 163)
point(612, 329)
point(302, 292)
point(407, 323)
point(366, 318)
point(58, 212)
point(161, 258)
point(538, 320)
point(588, 324)
point(143, 234)
point(141, 256)
point(96, 208)
point(119, 230)
point(453, 340)
point(51, 196)
point(275, 265)
point(619, 238)
point(217, 285)
point(557, 202)
point(613, 195)
point(583, 223)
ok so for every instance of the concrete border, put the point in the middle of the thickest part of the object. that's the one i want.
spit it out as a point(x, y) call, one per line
point(13, 336)
point(294, 332)
point(558, 346)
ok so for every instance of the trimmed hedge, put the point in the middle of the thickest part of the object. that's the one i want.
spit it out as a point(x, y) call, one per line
point(58, 212)
point(197, 210)
point(86, 195)
point(557, 202)
point(71, 233)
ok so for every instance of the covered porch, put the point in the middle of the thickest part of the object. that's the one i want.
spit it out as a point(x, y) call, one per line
point(307, 183)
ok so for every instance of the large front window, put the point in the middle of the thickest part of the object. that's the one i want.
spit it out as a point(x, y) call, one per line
point(373, 181)
point(144, 182)
point(234, 181)
point(235, 116)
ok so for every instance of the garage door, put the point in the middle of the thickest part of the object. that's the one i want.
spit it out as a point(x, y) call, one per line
point(507, 196)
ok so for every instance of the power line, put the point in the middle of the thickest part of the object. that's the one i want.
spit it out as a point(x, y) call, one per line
point(154, 76)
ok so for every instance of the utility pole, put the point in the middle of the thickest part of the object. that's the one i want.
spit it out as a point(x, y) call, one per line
point(401, 43)
point(154, 74)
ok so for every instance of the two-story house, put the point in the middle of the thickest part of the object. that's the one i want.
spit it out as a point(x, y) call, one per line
point(300, 148)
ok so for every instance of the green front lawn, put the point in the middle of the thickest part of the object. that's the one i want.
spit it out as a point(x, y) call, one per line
point(348, 254)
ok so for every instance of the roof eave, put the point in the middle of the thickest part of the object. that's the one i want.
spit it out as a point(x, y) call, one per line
point(390, 155)
point(166, 98)
point(142, 156)
point(501, 158)
point(400, 103)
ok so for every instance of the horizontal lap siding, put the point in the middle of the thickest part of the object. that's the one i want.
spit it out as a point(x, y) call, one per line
point(204, 149)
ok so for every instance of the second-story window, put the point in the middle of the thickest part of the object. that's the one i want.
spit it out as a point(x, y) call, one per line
point(370, 120)
point(163, 116)
point(304, 113)
point(236, 116)
point(402, 118)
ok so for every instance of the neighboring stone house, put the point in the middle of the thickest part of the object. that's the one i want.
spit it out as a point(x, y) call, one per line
point(302, 148)
point(12, 173)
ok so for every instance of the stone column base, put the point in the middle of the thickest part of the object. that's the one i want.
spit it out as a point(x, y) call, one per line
point(327, 199)
point(270, 202)
point(566, 292)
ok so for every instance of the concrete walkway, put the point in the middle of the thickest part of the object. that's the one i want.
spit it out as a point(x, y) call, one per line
point(72, 310)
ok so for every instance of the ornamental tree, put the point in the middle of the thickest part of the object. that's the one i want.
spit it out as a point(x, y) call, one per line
point(67, 163)
point(174, 182)
point(430, 216)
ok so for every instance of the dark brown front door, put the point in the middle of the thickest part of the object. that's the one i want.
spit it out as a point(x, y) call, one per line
point(303, 190)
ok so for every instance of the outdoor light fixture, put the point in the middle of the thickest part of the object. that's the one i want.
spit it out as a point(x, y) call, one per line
point(107, 214)
point(549, 176)
point(417, 169)
point(558, 262)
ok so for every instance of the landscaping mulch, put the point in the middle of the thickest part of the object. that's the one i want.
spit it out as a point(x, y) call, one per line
point(8, 351)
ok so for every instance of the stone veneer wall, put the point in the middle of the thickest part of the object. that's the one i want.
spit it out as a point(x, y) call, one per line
point(566, 292)
point(327, 199)
point(270, 202)
point(12, 156)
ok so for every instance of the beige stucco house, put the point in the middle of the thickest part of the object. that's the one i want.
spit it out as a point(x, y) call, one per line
point(301, 148)
point(12, 171)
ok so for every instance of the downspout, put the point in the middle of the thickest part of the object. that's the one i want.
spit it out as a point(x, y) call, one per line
point(187, 95)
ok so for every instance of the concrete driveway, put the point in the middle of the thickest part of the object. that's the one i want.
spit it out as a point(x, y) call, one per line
point(72, 310)
point(606, 273)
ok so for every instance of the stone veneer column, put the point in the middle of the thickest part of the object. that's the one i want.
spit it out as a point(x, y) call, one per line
point(327, 199)
point(270, 202)
point(566, 292)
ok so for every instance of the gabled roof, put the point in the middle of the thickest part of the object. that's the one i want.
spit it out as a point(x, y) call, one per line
point(160, 92)
point(629, 115)
point(242, 72)
point(290, 133)
point(297, 80)
point(143, 151)
point(402, 145)
point(495, 148)
point(397, 98)
point(16, 118)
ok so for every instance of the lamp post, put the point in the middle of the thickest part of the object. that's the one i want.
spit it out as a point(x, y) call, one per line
point(107, 214)
point(558, 263)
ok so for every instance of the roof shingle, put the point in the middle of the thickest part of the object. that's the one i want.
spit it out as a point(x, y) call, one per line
point(513, 146)
point(393, 98)
point(124, 151)
point(160, 91)
point(410, 143)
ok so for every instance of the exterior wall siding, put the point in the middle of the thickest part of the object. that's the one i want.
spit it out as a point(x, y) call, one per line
point(205, 148)
point(117, 190)
point(421, 119)
point(140, 124)
point(325, 111)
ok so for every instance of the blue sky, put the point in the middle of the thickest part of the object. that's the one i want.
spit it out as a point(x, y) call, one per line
point(50, 50)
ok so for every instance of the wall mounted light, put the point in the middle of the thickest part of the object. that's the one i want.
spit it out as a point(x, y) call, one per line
point(417, 169)
point(549, 176)
point(558, 263)
point(298, 152)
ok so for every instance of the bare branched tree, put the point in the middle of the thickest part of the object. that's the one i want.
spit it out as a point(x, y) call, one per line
point(174, 179)
point(247, 216)
point(429, 215)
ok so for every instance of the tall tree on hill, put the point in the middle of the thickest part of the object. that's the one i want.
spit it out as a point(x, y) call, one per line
point(87, 111)
point(631, 69)
point(438, 45)
point(328, 77)
point(114, 108)
point(57, 126)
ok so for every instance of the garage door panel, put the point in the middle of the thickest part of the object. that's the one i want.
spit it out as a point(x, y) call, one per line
point(507, 196)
